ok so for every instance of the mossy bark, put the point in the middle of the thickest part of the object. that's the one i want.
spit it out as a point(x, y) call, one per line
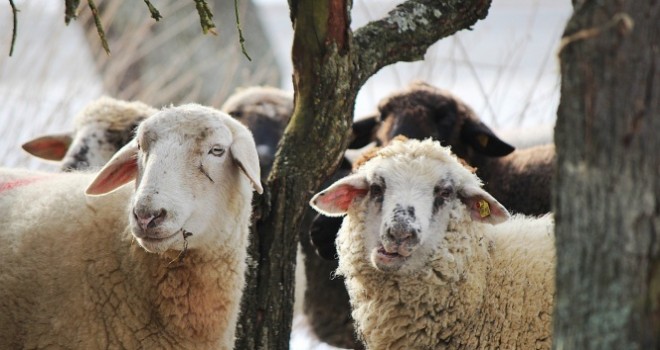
point(607, 199)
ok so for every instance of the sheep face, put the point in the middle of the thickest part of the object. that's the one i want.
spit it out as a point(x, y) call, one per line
point(102, 128)
point(190, 164)
point(407, 196)
point(94, 144)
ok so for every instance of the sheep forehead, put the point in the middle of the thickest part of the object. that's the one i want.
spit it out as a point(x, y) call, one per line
point(114, 114)
point(187, 124)
point(427, 160)
point(268, 101)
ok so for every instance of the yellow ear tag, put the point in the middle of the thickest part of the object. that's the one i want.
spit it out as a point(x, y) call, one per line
point(484, 208)
point(483, 140)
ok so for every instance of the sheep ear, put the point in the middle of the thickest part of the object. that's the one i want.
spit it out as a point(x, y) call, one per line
point(483, 140)
point(244, 153)
point(336, 199)
point(482, 206)
point(363, 131)
point(49, 147)
point(119, 170)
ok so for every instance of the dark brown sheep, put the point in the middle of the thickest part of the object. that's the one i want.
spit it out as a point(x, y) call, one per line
point(266, 112)
point(520, 180)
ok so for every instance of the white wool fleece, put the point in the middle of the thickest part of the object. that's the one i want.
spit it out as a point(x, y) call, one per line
point(469, 284)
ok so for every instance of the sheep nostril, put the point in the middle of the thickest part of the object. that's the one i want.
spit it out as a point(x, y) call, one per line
point(158, 218)
point(149, 219)
point(400, 235)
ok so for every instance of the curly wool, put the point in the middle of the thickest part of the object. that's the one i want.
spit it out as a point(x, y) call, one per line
point(267, 101)
point(483, 286)
point(117, 115)
point(474, 292)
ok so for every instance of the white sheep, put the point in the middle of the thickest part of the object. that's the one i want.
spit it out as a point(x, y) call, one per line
point(103, 127)
point(160, 266)
point(425, 266)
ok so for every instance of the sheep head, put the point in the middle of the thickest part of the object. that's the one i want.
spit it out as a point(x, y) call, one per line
point(407, 195)
point(422, 111)
point(192, 164)
point(266, 112)
point(101, 129)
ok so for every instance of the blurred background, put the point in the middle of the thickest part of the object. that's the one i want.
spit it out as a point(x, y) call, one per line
point(505, 68)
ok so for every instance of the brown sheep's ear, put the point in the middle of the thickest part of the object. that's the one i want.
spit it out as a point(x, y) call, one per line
point(336, 199)
point(119, 170)
point(363, 131)
point(482, 206)
point(483, 140)
point(49, 147)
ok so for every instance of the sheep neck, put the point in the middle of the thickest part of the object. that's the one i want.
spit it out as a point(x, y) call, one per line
point(193, 300)
point(433, 308)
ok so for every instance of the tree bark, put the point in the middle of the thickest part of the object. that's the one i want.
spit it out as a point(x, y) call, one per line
point(607, 198)
point(330, 66)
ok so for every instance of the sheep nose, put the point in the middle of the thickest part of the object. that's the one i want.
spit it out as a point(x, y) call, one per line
point(400, 233)
point(149, 219)
point(403, 226)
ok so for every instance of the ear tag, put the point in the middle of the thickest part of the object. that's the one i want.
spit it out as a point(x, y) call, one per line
point(484, 208)
point(483, 140)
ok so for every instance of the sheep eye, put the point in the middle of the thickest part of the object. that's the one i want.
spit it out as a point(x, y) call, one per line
point(376, 190)
point(442, 192)
point(217, 151)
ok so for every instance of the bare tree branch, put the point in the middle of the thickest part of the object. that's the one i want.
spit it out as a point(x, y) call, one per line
point(408, 31)
point(241, 40)
point(14, 12)
point(205, 17)
point(99, 25)
point(153, 10)
point(70, 9)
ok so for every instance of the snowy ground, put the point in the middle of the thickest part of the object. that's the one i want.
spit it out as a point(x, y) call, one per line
point(506, 68)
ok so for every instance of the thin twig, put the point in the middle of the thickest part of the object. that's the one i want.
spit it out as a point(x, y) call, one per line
point(241, 40)
point(99, 26)
point(182, 254)
point(205, 17)
point(13, 32)
point(70, 9)
point(154, 11)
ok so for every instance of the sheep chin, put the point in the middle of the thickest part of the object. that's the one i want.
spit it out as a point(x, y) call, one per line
point(160, 245)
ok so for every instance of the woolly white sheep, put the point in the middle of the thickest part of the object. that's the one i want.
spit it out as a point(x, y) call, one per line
point(519, 179)
point(425, 265)
point(160, 266)
point(103, 127)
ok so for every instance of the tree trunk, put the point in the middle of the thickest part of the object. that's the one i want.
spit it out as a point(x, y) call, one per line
point(607, 198)
point(330, 66)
